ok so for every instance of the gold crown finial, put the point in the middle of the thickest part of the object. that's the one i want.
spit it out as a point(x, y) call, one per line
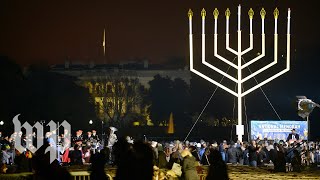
point(190, 13)
point(276, 13)
point(263, 13)
point(227, 13)
point(250, 13)
point(203, 13)
point(215, 13)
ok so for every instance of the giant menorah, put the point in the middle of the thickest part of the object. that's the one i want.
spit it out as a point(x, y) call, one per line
point(239, 53)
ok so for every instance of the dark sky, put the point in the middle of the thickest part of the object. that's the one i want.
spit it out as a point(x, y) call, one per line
point(49, 31)
point(33, 31)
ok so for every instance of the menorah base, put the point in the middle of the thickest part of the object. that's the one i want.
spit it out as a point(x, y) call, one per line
point(240, 131)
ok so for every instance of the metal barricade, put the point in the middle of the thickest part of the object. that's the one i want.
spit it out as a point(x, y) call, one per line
point(84, 175)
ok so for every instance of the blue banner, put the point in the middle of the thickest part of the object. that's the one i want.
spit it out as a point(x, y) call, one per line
point(278, 130)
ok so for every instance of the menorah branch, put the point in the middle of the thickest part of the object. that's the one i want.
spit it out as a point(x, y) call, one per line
point(191, 61)
point(269, 79)
point(250, 47)
point(203, 58)
point(275, 61)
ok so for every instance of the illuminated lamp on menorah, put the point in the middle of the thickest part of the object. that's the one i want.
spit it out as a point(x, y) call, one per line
point(239, 53)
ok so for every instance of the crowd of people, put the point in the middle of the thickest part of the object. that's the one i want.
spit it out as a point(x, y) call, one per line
point(179, 159)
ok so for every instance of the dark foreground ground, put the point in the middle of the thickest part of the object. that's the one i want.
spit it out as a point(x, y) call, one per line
point(235, 173)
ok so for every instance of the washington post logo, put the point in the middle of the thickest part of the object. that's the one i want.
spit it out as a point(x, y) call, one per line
point(53, 149)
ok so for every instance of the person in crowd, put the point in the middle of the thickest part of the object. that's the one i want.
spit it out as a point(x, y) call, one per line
point(266, 151)
point(280, 161)
point(223, 150)
point(175, 156)
point(44, 170)
point(261, 156)
point(189, 165)
point(120, 149)
point(22, 162)
point(214, 145)
point(4, 152)
point(296, 161)
point(240, 149)
point(245, 152)
point(87, 154)
point(217, 168)
point(273, 153)
point(205, 157)
point(162, 162)
point(253, 157)
point(168, 152)
point(49, 139)
point(154, 145)
point(194, 153)
point(233, 153)
point(98, 163)
point(136, 162)
point(76, 156)
point(202, 149)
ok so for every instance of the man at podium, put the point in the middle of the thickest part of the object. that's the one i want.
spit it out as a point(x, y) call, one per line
point(293, 136)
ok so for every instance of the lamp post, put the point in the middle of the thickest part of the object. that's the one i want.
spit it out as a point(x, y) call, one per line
point(102, 133)
point(305, 107)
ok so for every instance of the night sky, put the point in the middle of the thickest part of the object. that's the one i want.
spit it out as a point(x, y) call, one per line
point(48, 32)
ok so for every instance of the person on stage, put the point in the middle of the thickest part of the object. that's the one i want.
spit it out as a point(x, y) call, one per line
point(78, 138)
point(66, 144)
point(95, 135)
point(293, 136)
point(111, 140)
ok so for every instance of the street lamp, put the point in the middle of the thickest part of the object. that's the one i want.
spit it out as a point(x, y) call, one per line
point(90, 122)
point(1, 123)
point(305, 107)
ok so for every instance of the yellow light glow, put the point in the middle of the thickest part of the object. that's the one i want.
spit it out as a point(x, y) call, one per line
point(276, 13)
point(250, 13)
point(203, 13)
point(263, 13)
point(227, 13)
point(215, 13)
point(190, 13)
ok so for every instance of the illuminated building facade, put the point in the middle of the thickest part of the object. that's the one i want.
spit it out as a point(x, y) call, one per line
point(117, 89)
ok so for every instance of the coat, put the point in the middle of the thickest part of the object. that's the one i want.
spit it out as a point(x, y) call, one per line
point(233, 155)
point(189, 168)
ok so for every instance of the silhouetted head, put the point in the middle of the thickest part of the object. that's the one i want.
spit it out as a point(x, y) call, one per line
point(136, 163)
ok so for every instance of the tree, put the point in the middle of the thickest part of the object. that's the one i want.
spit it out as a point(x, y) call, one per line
point(57, 97)
point(180, 102)
point(38, 94)
point(117, 96)
point(168, 96)
point(12, 91)
point(160, 96)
